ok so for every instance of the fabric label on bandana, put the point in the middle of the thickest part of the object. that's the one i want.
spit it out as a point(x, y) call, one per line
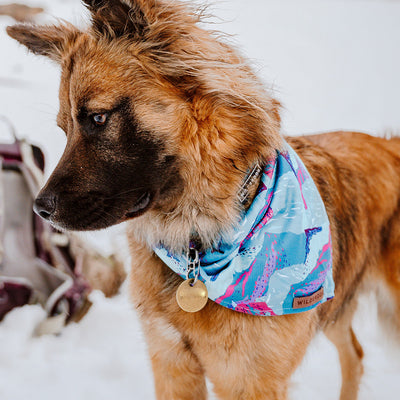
point(306, 301)
point(279, 258)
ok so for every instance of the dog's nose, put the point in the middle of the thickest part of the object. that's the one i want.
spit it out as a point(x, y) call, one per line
point(45, 206)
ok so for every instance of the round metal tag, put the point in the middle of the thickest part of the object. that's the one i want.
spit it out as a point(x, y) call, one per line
point(192, 298)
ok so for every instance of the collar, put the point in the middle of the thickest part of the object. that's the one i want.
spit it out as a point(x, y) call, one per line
point(244, 196)
point(278, 259)
point(251, 179)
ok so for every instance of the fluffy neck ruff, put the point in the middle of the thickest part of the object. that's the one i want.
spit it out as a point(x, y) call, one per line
point(209, 217)
point(208, 203)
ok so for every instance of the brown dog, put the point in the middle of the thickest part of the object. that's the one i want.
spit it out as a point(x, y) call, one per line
point(163, 119)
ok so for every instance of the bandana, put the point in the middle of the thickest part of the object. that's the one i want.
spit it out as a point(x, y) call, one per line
point(278, 259)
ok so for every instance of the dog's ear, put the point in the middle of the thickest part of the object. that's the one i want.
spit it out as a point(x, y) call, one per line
point(51, 41)
point(116, 18)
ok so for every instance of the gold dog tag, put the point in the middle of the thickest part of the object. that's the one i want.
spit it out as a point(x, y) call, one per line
point(192, 298)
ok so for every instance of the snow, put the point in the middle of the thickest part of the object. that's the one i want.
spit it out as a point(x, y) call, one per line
point(333, 64)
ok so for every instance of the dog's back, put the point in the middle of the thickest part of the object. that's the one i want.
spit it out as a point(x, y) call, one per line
point(359, 179)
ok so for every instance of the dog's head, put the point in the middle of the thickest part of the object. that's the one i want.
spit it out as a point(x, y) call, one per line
point(157, 111)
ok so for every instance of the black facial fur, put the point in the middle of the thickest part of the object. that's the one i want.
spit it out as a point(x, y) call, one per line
point(86, 117)
point(108, 173)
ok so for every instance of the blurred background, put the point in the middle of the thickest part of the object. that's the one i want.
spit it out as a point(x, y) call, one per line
point(334, 64)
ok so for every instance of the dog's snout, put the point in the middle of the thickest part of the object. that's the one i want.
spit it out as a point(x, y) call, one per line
point(45, 206)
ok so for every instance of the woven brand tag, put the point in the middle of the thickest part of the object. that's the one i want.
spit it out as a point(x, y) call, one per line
point(307, 301)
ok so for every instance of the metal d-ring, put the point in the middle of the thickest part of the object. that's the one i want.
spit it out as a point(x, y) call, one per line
point(193, 265)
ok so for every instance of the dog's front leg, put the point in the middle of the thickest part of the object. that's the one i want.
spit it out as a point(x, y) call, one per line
point(178, 374)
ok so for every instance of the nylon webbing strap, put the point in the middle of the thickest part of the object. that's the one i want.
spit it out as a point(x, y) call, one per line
point(1, 212)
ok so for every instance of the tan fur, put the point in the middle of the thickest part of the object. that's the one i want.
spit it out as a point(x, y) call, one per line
point(197, 96)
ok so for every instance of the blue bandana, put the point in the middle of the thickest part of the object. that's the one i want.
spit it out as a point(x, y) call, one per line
point(279, 258)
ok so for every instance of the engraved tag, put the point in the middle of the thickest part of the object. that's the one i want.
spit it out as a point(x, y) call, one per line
point(192, 298)
point(307, 301)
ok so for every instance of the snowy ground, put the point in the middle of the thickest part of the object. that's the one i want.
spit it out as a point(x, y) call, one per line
point(334, 64)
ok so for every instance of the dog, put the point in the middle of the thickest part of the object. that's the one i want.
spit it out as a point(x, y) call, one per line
point(163, 122)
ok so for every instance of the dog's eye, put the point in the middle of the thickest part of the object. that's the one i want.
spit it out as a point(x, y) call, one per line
point(100, 119)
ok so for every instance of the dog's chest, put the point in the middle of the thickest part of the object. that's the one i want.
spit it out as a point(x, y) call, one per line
point(153, 291)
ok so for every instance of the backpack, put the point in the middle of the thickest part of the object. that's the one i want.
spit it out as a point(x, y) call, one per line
point(39, 264)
